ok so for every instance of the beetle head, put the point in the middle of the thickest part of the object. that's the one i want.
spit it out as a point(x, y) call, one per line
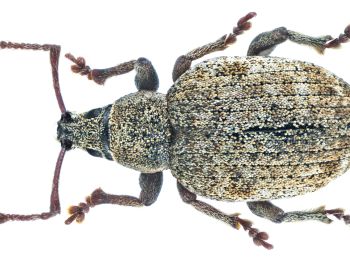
point(82, 130)
point(64, 131)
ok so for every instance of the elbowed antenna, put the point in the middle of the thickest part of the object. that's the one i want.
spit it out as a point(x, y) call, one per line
point(54, 57)
point(55, 207)
point(54, 199)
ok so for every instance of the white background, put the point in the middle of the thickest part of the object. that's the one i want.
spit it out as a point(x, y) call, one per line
point(107, 33)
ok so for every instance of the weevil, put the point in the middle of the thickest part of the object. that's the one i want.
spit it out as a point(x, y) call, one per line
point(253, 128)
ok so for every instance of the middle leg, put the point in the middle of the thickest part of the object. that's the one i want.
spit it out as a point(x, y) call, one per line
point(183, 63)
point(188, 197)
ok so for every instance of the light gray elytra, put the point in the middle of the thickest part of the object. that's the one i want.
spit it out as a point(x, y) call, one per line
point(252, 129)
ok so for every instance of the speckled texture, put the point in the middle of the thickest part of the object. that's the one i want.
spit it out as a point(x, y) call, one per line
point(139, 131)
point(84, 133)
point(134, 131)
point(258, 128)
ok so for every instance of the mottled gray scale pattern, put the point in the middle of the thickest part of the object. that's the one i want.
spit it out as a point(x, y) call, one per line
point(139, 131)
point(84, 132)
point(258, 128)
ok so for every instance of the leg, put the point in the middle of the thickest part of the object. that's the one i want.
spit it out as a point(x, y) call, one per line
point(188, 197)
point(266, 42)
point(183, 63)
point(269, 211)
point(146, 76)
point(54, 201)
point(150, 183)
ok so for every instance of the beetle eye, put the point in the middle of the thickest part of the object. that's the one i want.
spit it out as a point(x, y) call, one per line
point(66, 117)
point(66, 144)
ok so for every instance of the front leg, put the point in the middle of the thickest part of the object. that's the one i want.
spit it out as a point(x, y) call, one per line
point(146, 76)
point(150, 183)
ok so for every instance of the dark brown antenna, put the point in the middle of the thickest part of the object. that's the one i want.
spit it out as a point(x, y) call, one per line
point(54, 199)
point(54, 57)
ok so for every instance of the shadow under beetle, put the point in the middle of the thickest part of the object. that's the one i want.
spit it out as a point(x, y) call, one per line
point(252, 129)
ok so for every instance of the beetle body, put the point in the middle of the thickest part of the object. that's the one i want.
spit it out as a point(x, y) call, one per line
point(243, 128)
point(230, 128)
point(258, 128)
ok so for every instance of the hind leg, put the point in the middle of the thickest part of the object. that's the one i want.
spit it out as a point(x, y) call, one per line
point(266, 209)
point(266, 42)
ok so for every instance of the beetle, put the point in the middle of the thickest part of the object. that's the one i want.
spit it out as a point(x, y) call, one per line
point(253, 128)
